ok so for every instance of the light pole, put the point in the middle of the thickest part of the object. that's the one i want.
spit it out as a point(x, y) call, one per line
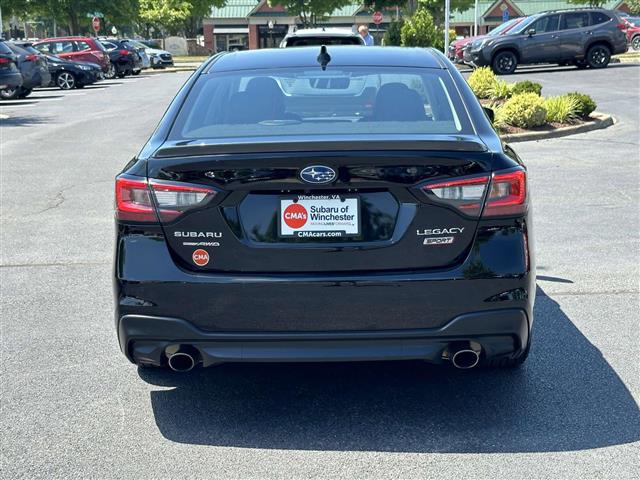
point(475, 19)
point(447, 7)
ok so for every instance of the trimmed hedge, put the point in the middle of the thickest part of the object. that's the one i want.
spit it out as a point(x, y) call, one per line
point(525, 110)
point(526, 86)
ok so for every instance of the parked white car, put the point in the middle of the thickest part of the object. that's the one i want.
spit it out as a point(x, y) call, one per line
point(159, 58)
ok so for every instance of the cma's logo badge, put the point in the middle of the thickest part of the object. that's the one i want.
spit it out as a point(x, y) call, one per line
point(318, 174)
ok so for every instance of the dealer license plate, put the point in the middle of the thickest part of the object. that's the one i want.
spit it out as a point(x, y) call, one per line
point(319, 216)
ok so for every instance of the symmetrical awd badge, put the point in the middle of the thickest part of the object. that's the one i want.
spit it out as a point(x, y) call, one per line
point(318, 174)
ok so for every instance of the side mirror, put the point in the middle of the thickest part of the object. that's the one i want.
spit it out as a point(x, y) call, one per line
point(489, 112)
point(531, 32)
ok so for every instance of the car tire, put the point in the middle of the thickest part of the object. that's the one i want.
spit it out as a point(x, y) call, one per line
point(635, 42)
point(581, 64)
point(598, 56)
point(10, 93)
point(122, 74)
point(79, 85)
point(504, 63)
point(66, 81)
point(111, 73)
point(25, 92)
point(136, 72)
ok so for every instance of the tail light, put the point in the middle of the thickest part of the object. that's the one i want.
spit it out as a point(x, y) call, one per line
point(122, 51)
point(147, 201)
point(31, 57)
point(507, 194)
point(4, 60)
point(622, 26)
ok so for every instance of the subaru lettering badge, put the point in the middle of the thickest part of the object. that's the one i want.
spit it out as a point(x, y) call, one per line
point(318, 174)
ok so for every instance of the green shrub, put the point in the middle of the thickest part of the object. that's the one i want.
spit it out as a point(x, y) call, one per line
point(500, 90)
point(585, 104)
point(561, 109)
point(526, 86)
point(392, 35)
point(525, 110)
point(482, 81)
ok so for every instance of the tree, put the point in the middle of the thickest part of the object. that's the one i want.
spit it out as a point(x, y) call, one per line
point(74, 13)
point(420, 31)
point(310, 11)
point(392, 36)
point(589, 3)
point(435, 7)
point(634, 6)
point(176, 15)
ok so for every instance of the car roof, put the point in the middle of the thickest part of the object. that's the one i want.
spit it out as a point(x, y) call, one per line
point(323, 32)
point(342, 55)
point(55, 39)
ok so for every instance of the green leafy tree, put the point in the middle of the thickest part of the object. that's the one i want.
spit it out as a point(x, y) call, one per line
point(393, 34)
point(310, 11)
point(634, 6)
point(589, 3)
point(74, 14)
point(421, 31)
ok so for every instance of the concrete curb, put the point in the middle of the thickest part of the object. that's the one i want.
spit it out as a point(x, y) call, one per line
point(168, 70)
point(601, 120)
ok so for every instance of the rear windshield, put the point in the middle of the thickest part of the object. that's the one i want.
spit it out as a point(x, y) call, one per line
point(29, 48)
point(337, 101)
point(317, 41)
point(4, 49)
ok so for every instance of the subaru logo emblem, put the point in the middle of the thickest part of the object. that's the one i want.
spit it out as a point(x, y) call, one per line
point(318, 174)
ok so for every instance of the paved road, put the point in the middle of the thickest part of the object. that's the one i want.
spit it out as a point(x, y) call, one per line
point(73, 406)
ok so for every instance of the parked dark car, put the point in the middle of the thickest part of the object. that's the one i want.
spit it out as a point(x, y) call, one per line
point(33, 68)
point(9, 74)
point(324, 204)
point(68, 75)
point(456, 48)
point(125, 58)
point(76, 49)
point(585, 37)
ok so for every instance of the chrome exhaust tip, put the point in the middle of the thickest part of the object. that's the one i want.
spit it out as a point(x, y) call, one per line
point(464, 354)
point(465, 359)
point(181, 362)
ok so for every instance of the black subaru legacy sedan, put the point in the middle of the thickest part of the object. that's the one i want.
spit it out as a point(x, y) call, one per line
point(324, 204)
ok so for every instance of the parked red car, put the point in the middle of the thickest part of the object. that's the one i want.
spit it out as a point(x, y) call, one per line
point(76, 49)
point(457, 46)
point(633, 31)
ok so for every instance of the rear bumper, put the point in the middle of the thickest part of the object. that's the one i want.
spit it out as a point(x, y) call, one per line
point(10, 80)
point(501, 333)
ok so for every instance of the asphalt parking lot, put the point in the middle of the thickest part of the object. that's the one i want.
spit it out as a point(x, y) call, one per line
point(72, 406)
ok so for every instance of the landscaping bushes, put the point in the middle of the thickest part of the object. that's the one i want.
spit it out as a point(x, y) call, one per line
point(561, 109)
point(526, 86)
point(521, 105)
point(525, 110)
point(482, 81)
point(500, 90)
point(585, 104)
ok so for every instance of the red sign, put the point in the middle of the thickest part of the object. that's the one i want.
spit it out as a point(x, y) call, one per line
point(295, 215)
point(95, 23)
point(200, 257)
point(377, 18)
